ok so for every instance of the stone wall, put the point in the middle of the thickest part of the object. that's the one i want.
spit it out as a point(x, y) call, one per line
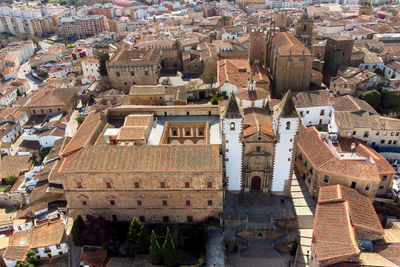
point(152, 195)
point(122, 78)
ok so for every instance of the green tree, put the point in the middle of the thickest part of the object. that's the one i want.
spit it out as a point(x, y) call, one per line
point(194, 47)
point(168, 250)
point(11, 179)
point(379, 72)
point(372, 97)
point(76, 232)
point(390, 99)
point(29, 260)
point(135, 236)
point(103, 58)
point(214, 99)
point(80, 118)
point(155, 250)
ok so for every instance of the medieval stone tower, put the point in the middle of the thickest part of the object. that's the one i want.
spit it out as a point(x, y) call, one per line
point(338, 53)
point(285, 126)
point(257, 46)
point(232, 118)
point(304, 28)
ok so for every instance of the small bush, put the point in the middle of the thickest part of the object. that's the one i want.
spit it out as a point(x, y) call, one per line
point(80, 118)
point(11, 179)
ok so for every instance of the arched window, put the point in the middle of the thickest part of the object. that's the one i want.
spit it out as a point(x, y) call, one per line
point(232, 126)
point(288, 125)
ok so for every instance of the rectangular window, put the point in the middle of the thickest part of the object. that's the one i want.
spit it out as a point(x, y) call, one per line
point(354, 132)
point(389, 142)
point(367, 187)
point(189, 219)
point(384, 178)
point(392, 133)
point(382, 141)
point(377, 133)
point(139, 203)
point(58, 246)
point(142, 219)
point(187, 184)
point(136, 185)
point(187, 202)
point(84, 203)
point(165, 219)
point(394, 142)
point(381, 187)
point(164, 203)
point(258, 149)
point(373, 143)
point(397, 134)
point(112, 202)
point(353, 185)
point(108, 184)
point(366, 134)
point(322, 113)
point(162, 184)
point(301, 114)
point(326, 178)
point(209, 203)
point(209, 184)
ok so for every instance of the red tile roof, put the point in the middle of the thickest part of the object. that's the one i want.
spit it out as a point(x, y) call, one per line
point(341, 212)
point(85, 131)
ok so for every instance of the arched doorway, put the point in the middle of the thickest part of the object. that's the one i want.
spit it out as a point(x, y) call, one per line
point(256, 183)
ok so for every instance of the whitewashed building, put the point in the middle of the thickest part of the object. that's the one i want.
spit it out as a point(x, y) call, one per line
point(285, 126)
point(232, 118)
point(314, 107)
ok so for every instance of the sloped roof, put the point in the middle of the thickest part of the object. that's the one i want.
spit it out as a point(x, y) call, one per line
point(340, 212)
point(288, 44)
point(232, 109)
point(47, 234)
point(311, 98)
point(286, 107)
point(144, 158)
point(82, 136)
point(52, 97)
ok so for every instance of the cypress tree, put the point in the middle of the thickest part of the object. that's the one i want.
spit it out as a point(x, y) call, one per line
point(155, 250)
point(76, 232)
point(135, 236)
point(168, 250)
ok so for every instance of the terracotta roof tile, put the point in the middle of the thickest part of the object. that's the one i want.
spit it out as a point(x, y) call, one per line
point(85, 131)
point(287, 43)
point(144, 158)
point(48, 234)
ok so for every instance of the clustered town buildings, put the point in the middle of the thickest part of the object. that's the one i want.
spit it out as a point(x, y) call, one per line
point(204, 112)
